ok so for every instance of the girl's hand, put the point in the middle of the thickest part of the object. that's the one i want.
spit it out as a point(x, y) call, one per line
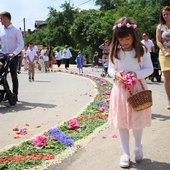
point(119, 77)
point(133, 74)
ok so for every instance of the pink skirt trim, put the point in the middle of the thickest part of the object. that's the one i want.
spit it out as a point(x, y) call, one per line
point(121, 114)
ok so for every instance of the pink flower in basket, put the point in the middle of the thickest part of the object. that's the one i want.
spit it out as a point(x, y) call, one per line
point(40, 141)
point(101, 109)
point(73, 124)
point(130, 81)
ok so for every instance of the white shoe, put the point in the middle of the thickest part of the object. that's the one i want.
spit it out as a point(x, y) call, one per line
point(138, 154)
point(124, 161)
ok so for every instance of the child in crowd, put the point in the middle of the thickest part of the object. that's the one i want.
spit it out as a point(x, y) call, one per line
point(79, 60)
point(58, 57)
point(32, 55)
point(46, 62)
point(105, 66)
point(25, 62)
point(41, 63)
point(24, 58)
point(128, 55)
point(95, 61)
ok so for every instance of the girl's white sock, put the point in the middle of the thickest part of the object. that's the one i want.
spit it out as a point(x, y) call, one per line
point(124, 139)
point(138, 137)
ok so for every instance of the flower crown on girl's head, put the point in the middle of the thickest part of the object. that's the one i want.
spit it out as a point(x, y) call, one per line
point(124, 24)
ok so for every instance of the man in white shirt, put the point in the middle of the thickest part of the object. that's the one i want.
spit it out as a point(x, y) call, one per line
point(148, 43)
point(32, 55)
point(12, 44)
point(66, 56)
point(43, 50)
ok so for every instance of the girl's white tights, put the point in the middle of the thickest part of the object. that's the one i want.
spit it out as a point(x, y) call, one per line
point(124, 139)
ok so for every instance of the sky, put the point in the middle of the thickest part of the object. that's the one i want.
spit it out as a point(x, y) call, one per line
point(33, 10)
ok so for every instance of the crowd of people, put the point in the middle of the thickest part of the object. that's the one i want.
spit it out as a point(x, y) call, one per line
point(43, 59)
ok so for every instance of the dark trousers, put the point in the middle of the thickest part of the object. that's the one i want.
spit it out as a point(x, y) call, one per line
point(58, 63)
point(67, 61)
point(19, 63)
point(13, 70)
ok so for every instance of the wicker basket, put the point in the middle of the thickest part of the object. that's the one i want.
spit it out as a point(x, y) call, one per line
point(141, 100)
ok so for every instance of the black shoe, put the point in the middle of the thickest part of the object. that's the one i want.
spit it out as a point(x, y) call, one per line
point(32, 78)
point(5, 98)
point(16, 97)
point(29, 78)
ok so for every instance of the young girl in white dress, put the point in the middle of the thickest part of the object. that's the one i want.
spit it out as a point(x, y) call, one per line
point(128, 55)
point(42, 64)
point(25, 63)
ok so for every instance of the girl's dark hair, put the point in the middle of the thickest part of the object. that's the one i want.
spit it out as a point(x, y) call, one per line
point(122, 32)
point(166, 8)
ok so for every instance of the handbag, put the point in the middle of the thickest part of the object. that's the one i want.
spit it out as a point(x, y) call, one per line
point(141, 100)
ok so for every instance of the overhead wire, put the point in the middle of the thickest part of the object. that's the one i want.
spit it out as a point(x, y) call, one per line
point(46, 16)
point(82, 3)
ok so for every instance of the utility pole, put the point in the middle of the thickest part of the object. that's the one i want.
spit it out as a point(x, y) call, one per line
point(24, 27)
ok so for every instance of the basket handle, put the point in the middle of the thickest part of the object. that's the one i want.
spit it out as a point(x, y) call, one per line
point(141, 86)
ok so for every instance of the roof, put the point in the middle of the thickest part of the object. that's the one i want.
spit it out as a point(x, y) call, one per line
point(40, 23)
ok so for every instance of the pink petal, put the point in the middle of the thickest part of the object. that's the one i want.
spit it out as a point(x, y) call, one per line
point(113, 135)
point(103, 137)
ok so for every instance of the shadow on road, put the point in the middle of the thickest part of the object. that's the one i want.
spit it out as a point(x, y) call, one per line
point(148, 164)
point(22, 106)
point(160, 117)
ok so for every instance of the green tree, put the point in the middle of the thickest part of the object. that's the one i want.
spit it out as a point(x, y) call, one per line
point(38, 37)
point(87, 31)
point(59, 24)
point(164, 3)
point(110, 4)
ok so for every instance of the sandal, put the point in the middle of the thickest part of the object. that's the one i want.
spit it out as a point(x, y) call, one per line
point(124, 161)
point(138, 154)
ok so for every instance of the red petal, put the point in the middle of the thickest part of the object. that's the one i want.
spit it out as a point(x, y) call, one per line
point(15, 129)
point(16, 137)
